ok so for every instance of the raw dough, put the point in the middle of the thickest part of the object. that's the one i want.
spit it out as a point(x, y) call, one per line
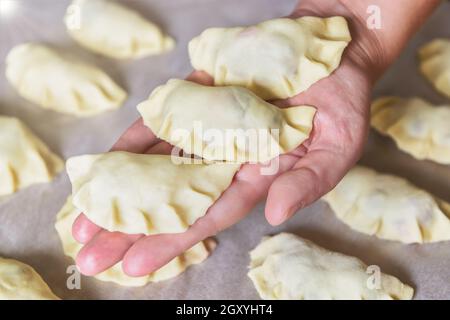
point(417, 127)
point(19, 281)
point(24, 159)
point(435, 64)
point(64, 222)
point(142, 193)
point(111, 29)
point(287, 267)
point(275, 59)
point(61, 83)
point(224, 123)
point(389, 207)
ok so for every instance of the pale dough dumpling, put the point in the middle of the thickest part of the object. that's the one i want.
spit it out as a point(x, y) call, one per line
point(64, 222)
point(275, 59)
point(287, 267)
point(224, 123)
point(389, 207)
point(19, 281)
point(417, 127)
point(142, 193)
point(61, 83)
point(435, 64)
point(24, 159)
point(111, 29)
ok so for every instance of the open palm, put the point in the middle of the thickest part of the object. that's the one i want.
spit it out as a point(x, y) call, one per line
point(304, 175)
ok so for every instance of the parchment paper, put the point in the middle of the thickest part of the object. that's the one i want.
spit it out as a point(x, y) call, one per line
point(27, 218)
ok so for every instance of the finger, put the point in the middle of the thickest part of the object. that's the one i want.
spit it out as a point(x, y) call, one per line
point(137, 139)
point(83, 230)
point(311, 177)
point(248, 187)
point(201, 77)
point(103, 251)
point(160, 148)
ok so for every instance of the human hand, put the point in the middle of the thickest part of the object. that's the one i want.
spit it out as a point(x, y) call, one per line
point(304, 175)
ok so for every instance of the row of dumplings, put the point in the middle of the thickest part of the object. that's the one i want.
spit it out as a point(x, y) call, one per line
point(286, 266)
point(316, 33)
point(60, 82)
point(220, 48)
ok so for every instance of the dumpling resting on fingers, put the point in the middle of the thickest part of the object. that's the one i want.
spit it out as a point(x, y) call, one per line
point(275, 59)
point(224, 123)
point(145, 193)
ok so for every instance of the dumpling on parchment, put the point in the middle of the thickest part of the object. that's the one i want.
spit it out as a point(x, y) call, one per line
point(417, 127)
point(24, 158)
point(19, 281)
point(275, 59)
point(59, 82)
point(435, 64)
point(287, 267)
point(112, 29)
point(389, 207)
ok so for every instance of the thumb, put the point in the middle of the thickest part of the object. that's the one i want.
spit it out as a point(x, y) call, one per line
point(311, 177)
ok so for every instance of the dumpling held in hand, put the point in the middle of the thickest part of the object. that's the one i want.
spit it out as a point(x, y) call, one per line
point(145, 193)
point(224, 123)
point(275, 59)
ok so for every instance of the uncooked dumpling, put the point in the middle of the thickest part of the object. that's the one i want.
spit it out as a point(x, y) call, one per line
point(111, 29)
point(64, 222)
point(275, 59)
point(24, 159)
point(224, 123)
point(142, 193)
point(61, 83)
point(287, 267)
point(417, 127)
point(435, 64)
point(19, 281)
point(389, 207)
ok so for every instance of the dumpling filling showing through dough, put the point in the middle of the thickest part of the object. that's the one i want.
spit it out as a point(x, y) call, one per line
point(109, 28)
point(389, 207)
point(145, 193)
point(417, 127)
point(195, 255)
point(59, 82)
point(19, 281)
point(224, 123)
point(275, 59)
point(435, 64)
point(24, 158)
point(287, 267)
